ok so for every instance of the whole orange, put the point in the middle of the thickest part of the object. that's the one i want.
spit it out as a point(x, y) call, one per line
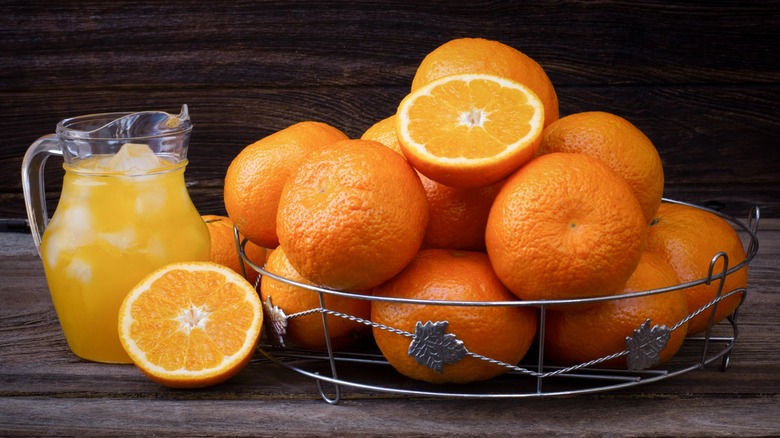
point(565, 226)
point(457, 216)
point(479, 55)
point(503, 333)
point(578, 335)
point(352, 215)
point(689, 238)
point(224, 250)
point(307, 331)
point(619, 144)
point(255, 177)
point(383, 132)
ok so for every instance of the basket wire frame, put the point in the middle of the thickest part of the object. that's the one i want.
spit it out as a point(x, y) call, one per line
point(597, 379)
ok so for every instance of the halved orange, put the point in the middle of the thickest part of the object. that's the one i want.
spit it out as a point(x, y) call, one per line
point(191, 324)
point(470, 130)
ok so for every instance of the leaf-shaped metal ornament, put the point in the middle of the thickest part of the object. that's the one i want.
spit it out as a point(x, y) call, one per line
point(275, 322)
point(645, 346)
point(435, 348)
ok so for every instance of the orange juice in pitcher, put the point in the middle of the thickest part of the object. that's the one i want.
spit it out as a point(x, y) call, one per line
point(124, 211)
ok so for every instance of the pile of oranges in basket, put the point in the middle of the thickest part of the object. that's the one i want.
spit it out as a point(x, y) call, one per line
point(474, 190)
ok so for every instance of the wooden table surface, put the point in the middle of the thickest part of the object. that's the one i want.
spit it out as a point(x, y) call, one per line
point(45, 390)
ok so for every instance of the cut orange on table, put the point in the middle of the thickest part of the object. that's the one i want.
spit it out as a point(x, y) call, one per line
point(470, 130)
point(191, 324)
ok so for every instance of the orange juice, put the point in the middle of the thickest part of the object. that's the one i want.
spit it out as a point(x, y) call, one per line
point(113, 226)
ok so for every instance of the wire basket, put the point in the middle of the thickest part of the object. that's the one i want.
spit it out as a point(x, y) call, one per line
point(364, 367)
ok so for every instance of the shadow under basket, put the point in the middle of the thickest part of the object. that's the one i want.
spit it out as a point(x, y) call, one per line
point(363, 367)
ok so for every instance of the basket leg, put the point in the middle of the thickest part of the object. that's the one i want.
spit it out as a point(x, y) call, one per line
point(540, 360)
point(725, 361)
point(721, 280)
point(331, 358)
point(330, 400)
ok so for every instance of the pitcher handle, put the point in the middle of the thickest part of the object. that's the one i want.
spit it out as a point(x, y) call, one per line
point(33, 186)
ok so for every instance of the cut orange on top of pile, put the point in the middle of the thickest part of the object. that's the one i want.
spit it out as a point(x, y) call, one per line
point(191, 324)
point(470, 130)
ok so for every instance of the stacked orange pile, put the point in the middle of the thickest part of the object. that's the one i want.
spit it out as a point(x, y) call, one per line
point(476, 190)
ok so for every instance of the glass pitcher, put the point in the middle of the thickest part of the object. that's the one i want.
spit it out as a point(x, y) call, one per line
point(124, 211)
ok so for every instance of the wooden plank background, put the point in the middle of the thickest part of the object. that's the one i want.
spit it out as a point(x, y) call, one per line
point(701, 79)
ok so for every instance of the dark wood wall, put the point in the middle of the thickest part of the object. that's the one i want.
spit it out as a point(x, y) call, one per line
point(701, 79)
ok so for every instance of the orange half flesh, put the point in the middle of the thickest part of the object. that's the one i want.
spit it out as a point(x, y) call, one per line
point(470, 130)
point(191, 324)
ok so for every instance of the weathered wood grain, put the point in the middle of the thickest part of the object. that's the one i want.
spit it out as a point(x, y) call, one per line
point(700, 167)
point(595, 416)
point(702, 80)
point(45, 390)
point(275, 43)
